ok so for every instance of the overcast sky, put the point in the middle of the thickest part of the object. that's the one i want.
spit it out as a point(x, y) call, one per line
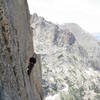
point(86, 13)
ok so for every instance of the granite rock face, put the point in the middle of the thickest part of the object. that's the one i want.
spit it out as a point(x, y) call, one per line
point(70, 60)
point(16, 48)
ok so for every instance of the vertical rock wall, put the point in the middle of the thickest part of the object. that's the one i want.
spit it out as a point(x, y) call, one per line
point(16, 47)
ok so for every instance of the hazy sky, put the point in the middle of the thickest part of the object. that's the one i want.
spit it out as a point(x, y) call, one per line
point(86, 13)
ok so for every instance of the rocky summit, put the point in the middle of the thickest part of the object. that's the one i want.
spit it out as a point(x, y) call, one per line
point(70, 60)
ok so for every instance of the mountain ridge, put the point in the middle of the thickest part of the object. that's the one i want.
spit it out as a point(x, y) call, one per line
point(70, 60)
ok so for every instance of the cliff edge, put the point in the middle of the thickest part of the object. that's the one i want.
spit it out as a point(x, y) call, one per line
point(16, 48)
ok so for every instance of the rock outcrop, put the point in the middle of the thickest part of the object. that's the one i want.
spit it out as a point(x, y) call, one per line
point(16, 48)
point(70, 60)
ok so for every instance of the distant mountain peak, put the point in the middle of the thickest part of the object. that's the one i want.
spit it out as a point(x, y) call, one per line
point(35, 18)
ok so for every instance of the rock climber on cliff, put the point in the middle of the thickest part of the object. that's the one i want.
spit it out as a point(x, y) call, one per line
point(32, 62)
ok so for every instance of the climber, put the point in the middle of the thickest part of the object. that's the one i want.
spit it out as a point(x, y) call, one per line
point(32, 61)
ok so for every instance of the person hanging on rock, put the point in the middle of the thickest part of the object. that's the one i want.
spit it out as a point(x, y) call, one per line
point(32, 62)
